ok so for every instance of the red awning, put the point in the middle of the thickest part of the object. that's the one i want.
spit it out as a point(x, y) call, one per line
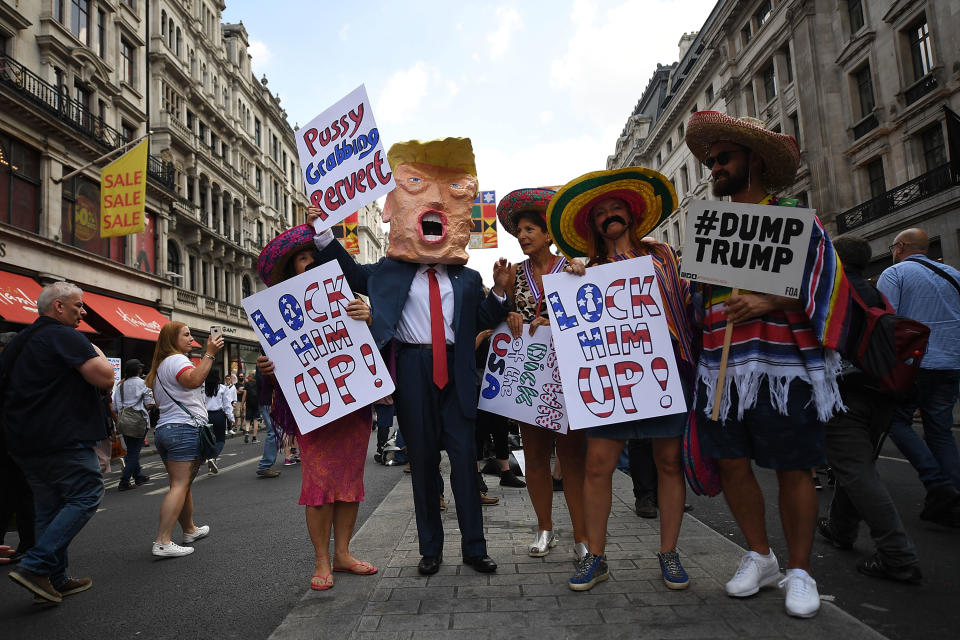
point(18, 300)
point(129, 318)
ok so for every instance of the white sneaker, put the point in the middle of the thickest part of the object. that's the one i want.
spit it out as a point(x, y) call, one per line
point(201, 532)
point(171, 550)
point(212, 467)
point(755, 571)
point(803, 599)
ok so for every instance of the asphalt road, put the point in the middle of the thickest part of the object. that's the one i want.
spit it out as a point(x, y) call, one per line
point(239, 583)
point(896, 610)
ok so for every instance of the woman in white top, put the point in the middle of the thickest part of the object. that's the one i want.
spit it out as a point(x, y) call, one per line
point(131, 392)
point(219, 412)
point(176, 386)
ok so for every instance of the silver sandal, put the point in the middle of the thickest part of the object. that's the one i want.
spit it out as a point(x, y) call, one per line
point(580, 550)
point(542, 544)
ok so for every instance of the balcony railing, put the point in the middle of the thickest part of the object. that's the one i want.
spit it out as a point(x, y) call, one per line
point(161, 171)
point(920, 88)
point(921, 187)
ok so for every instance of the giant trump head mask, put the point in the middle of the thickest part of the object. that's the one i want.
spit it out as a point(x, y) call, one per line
point(429, 211)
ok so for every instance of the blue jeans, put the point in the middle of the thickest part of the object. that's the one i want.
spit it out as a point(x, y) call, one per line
point(269, 442)
point(935, 456)
point(67, 489)
point(131, 462)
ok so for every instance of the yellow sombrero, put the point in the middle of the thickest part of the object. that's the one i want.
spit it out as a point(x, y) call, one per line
point(648, 193)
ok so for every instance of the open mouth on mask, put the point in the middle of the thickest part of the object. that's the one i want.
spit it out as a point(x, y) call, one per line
point(433, 226)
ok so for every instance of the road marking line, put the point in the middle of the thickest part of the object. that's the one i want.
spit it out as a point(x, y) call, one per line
point(236, 465)
point(894, 459)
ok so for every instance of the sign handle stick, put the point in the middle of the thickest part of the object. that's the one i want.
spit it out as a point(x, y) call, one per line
point(722, 376)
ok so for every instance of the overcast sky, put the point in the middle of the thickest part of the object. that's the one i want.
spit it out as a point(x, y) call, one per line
point(543, 88)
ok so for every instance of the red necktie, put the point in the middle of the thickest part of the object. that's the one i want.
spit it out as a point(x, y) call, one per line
point(437, 333)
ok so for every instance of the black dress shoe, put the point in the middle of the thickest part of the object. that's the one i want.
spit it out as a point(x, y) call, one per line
point(429, 565)
point(483, 564)
point(509, 479)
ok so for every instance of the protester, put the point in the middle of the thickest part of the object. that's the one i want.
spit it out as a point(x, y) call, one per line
point(780, 385)
point(418, 291)
point(230, 382)
point(522, 214)
point(219, 413)
point(606, 215)
point(265, 401)
point(929, 291)
point(16, 498)
point(332, 456)
point(52, 441)
point(132, 400)
point(176, 383)
point(251, 409)
point(852, 443)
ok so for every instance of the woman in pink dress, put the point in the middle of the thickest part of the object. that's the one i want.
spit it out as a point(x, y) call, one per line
point(332, 457)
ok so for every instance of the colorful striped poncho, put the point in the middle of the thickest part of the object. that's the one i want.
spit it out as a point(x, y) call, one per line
point(782, 345)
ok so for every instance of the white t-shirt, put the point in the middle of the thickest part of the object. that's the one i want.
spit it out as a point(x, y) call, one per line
point(167, 385)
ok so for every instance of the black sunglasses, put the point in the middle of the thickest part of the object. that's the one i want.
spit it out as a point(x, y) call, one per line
point(721, 158)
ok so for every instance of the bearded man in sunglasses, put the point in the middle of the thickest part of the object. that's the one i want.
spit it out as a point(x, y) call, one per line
point(781, 379)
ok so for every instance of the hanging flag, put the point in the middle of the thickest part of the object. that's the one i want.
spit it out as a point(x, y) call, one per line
point(346, 232)
point(483, 232)
point(123, 193)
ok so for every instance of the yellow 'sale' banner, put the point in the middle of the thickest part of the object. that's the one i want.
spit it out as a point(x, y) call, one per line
point(123, 193)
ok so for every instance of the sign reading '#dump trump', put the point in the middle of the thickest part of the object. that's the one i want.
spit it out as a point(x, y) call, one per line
point(754, 247)
point(327, 363)
point(613, 345)
point(342, 158)
point(521, 379)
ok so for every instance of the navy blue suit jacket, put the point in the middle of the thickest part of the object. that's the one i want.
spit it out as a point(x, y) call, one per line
point(387, 283)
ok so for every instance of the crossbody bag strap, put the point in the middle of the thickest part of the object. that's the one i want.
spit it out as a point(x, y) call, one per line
point(937, 270)
point(179, 404)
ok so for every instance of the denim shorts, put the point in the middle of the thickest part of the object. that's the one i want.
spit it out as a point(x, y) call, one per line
point(775, 441)
point(178, 442)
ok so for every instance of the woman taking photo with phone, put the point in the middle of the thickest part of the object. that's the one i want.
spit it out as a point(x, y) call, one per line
point(176, 386)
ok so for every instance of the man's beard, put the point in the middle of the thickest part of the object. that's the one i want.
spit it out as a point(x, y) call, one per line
point(733, 184)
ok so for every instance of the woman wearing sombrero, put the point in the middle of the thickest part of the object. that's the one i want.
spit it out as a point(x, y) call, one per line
point(605, 216)
point(522, 213)
point(332, 456)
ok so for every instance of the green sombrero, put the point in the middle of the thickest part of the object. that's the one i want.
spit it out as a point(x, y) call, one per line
point(648, 193)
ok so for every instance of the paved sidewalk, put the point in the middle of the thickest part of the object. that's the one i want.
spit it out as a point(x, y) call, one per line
point(529, 597)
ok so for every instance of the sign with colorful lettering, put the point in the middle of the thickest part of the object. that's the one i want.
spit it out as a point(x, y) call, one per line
point(521, 379)
point(342, 158)
point(754, 247)
point(613, 344)
point(123, 193)
point(327, 363)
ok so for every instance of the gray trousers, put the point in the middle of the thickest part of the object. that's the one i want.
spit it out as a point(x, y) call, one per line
point(851, 451)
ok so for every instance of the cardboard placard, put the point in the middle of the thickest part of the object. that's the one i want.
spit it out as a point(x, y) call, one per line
point(749, 246)
point(613, 344)
point(521, 380)
point(342, 159)
point(327, 363)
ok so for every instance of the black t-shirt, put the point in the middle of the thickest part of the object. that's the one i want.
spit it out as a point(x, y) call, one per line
point(250, 386)
point(47, 404)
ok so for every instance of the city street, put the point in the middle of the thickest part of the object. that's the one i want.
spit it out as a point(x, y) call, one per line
point(250, 576)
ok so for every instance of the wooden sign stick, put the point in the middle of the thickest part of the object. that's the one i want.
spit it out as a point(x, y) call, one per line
point(722, 375)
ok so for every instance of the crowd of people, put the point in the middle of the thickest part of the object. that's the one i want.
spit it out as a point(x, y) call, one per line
point(788, 400)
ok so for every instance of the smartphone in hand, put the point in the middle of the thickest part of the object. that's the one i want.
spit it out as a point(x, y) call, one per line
point(215, 331)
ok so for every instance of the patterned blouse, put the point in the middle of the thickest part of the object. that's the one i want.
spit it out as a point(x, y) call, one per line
point(527, 295)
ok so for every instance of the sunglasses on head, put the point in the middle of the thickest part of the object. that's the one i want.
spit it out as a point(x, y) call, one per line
point(721, 158)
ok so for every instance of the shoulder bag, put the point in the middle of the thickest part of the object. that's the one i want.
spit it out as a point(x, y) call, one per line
point(131, 422)
point(208, 441)
point(937, 270)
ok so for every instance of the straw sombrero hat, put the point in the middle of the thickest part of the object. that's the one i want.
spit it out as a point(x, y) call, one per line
point(650, 196)
point(522, 200)
point(780, 153)
point(275, 256)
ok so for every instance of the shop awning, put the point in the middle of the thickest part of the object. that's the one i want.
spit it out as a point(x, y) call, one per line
point(129, 318)
point(18, 300)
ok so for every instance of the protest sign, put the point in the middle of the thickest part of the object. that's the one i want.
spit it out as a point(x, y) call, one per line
point(613, 345)
point(327, 363)
point(342, 158)
point(754, 247)
point(521, 379)
point(123, 193)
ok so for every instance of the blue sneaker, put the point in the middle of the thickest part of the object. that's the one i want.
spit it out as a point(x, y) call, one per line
point(591, 570)
point(673, 574)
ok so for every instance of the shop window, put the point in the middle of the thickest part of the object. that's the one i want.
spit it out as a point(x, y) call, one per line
point(80, 218)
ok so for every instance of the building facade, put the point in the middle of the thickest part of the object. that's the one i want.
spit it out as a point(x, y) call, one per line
point(80, 78)
point(862, 86)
